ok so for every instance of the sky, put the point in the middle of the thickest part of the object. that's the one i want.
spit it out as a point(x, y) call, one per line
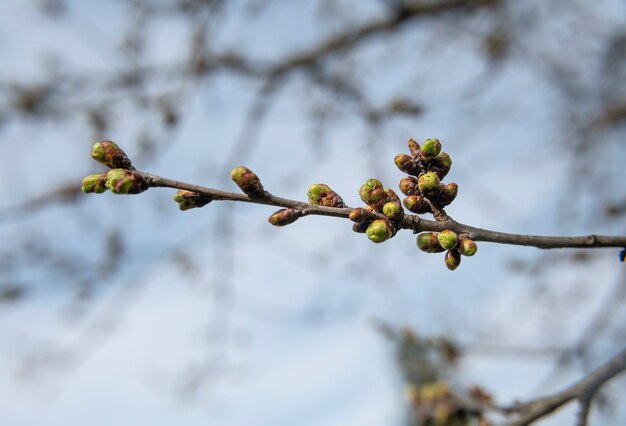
point(285, 334)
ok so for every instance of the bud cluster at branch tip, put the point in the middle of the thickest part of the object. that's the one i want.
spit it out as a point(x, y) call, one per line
point(94, 184)
point(188, 200)
point(248, 182)
point(284, 217)
point(320, 194)
point(456, 245)
point(111, 155)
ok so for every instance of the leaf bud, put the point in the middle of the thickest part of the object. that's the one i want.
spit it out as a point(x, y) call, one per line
point(428, 184)
point(393, 210)
point(408, 186)
point(94, 184)
point(467, 247)
point(190, 199)
point(414, 147)
point(248, 182)
point(417, 204)
point(453, 259)
point(448, 239)
point(428, 242)
point(321, 194)
point(111, 155)
point(430, 149)
point(284, 217)
point(441, 165)
point(448, 193)
point(122, 181)
point(378, 231)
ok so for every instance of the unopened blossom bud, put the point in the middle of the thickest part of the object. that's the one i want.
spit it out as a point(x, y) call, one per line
point(414, 147)
point(393, 210)
point(360, 227)
point(247, 181)
point(428, 242)
point(416, 204)
point(430, 149)
point(121, 181)
point(467, 247)
point(428, 184)
point(111, 155)
point(408, 186)
point(284, 217)
point(190, 199)
point(321, 194)
point(372, 191)
point(453, 259)
point(94, 183)
point(448, 239)
point(379, 231)
point(448, 193)
point(441, 165)
point(406, 164)
point(360, 215)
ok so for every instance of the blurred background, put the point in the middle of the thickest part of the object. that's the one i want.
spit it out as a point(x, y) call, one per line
point(125, 310)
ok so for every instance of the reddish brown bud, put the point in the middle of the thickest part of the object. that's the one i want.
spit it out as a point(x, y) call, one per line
point(417, 204)
point(406, 164)
point(414, 147)
point(360, 215)
point(321, 194)
point(467, 247)
point(248, 182)
point(373, 194)
point(453, 259)
point(448, 194)
point(111, 155)
point(441, 165)
point(360, 227)
point(408, 186)
point(121, 181)
point(284, 217)
point(190, 200)
point(428, 242)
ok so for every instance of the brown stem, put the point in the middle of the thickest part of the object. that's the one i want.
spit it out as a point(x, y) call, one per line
point(411, 222)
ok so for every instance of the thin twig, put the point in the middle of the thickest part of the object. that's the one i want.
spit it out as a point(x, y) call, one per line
point(411, 222)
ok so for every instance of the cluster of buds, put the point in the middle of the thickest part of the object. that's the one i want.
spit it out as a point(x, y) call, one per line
point(427, 166)
point(188, 200)
point(454, 245)
point(434, 403)
point(320, 194)
point(383, 201)
point(121, 179)
point(248, 182)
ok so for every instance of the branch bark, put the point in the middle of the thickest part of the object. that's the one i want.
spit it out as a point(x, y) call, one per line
point(411, 222)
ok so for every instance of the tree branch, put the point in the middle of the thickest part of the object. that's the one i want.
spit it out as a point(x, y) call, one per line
point(410, 222)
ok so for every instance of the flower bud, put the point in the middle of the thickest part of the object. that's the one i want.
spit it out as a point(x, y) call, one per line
point(247, 181)
point(406, 164)
point(372, 192)
point(441, 165)
point(190, 199)
point(321, 194)
point(428, 242)
point(284, 217)
point(111, 155)
point(428, 184)
point(430, 149)
point(417, 204)
point(392, 197)
point(414, 147)
point(467, 247)
point(408, 186)
point(448, 193)
point(360, 215)
point(453, 259)
point(393, 210)
point(94, 184)
point(122, 181)
point(378, 231)
point(448, 239)
point(360, 227)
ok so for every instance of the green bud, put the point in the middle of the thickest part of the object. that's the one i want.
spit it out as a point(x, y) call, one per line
point(94, 184)
point(393, 210)
point(453, 259)
point(467, 247)
point(448, 239)
point(408, 186)
point(378, 231)
point(122, 181)
point(448, 194)
point(428, 242)
point(284, 217)
point(188, 200)
point(430, 149)
point(321, 194)
point(111, 155)
point(441, 165)
point(360, 215)
point(417, 204)
point(428, 184)
point(372, 191)
point(414, 147)
point(248, 182)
